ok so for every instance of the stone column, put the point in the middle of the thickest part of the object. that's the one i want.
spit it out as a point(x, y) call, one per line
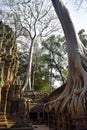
point(3, 119)
point(0, 98)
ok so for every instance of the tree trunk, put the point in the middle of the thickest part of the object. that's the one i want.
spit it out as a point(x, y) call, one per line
point(27, 86)
point(33, 80)
point(74, 97)
point(50, 80)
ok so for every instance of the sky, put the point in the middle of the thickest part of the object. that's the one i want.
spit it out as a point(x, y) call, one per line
point(79, 17)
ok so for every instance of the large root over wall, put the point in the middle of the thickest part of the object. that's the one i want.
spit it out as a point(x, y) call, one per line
point(74, 97)
point(73, 100)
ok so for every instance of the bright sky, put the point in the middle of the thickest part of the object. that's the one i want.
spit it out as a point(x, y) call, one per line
point(79, 16)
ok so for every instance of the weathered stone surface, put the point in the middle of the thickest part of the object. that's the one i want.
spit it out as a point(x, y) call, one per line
point(8, 66)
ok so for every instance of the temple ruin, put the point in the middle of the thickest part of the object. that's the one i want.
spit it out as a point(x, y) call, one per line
point(13, 106)
point(8, 66)
point(18, 111)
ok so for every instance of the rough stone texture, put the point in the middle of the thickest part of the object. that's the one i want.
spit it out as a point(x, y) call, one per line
point(8, 66)
point(8, 55)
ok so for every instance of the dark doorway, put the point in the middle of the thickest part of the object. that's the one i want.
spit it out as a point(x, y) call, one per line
point(33, 116)
point(14, 108)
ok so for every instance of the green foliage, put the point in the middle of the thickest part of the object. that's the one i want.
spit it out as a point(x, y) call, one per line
point(45, 89)
point(42, 89)
point(49, 64)
point(51, 55)
point(57, 58)
point(40, 69)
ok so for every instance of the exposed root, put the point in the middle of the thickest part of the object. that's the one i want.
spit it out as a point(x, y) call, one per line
point(84, 93)
point(74, 97)
point(49, 106)
point(59, 99)
point(78, 92)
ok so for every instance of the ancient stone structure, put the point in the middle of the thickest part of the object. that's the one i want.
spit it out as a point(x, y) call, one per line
point(70, 107)
point(51, 118)
point(25, 109)
point(35, 102)
point(8, 66)
point(12, 103)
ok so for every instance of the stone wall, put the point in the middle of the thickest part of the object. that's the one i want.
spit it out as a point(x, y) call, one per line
point(8, 66)
point(8, 55)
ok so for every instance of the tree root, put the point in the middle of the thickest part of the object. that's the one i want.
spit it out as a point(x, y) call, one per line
point(78, 92)
point(84, 94)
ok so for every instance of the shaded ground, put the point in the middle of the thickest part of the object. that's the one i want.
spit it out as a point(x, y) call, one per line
point(40, 127)
point(11, 123)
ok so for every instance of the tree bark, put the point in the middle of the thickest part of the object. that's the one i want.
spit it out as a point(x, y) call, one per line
point(73, 99)
point(33, 80)
point(27, 86)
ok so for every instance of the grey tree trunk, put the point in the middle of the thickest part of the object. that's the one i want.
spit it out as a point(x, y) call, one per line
point(27, 86)
point(73, 99)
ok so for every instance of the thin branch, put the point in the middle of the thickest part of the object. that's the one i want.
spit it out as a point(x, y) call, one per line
point(45, 13)
point(24, 2)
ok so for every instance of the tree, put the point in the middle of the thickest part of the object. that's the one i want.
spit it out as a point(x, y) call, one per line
point(57, 59)
point(35, 20)
point(73, 99)
point(43, 63)
point(40, 72)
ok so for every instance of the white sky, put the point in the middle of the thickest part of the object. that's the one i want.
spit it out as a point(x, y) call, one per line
point(79, 16)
